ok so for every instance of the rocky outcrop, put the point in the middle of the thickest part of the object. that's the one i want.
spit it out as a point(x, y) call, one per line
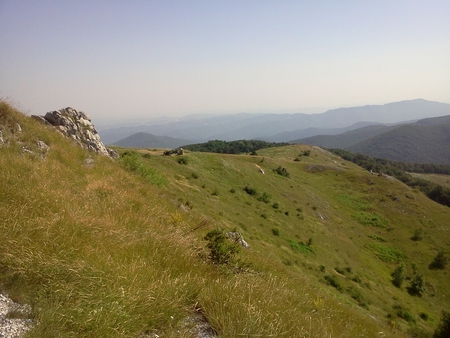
point(14, 318)
point(76, 125)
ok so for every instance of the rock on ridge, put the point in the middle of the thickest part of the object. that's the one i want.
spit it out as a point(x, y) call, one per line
point(77, 125)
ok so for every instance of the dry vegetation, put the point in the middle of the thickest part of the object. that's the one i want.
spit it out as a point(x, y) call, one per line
point(104, 250)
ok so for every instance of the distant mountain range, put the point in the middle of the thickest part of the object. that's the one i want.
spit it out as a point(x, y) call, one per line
point(425, 141)
point(146, 140)
point(276, 127)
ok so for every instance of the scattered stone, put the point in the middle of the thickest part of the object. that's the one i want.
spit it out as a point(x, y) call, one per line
point(237, 238)
point(200, 326)
point(14, 318)
point(183, 208)
point(27, 150)
point(177, 151)
point(77, 125)
point(18, 128)
point(42, 146)
point(89, 161)
point(1, 138)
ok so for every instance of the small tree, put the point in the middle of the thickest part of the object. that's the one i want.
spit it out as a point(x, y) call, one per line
point(417, 235)
point(439, 262)
point(443, 329)
point(221, 249)
point(417, 285)
point(398, 276)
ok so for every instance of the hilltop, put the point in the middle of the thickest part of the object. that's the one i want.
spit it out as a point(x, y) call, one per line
point(425, 141)
point(137, 246)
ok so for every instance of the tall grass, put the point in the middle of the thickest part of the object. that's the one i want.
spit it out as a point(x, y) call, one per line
point(99, 252)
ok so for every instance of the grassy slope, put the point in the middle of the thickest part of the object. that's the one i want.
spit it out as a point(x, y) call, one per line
point(100, 252)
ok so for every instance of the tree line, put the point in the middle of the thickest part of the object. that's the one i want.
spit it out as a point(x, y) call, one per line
point(400, 170)
point(232, 147)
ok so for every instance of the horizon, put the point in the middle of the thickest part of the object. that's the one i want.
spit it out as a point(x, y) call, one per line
point(121, 60)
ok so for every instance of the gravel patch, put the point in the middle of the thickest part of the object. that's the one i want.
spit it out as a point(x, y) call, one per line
point(14, 318)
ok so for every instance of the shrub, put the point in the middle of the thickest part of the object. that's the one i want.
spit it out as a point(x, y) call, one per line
point(359, 297)
point(215, 192)
point(282, 171)
point(233, 190)
point(332, 281)
point(131, 161)
point(443, 329)
point(404, 313)
point(221, 249)
point(398, 276)
point(182, 160)
point(424, 316)
point(265, 197)
point(417, 285)
point(250, 191)
point(275, 232)
point(276, 206)
point(417, 235)
point(439, 262)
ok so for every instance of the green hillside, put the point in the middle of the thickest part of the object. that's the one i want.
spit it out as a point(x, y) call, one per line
point(415, 143)
point(117, 248)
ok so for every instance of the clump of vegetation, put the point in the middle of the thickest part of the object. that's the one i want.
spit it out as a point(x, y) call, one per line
point(182, 160)
point(439, 262)
point(417, 235)
point(417, 285)
point(282, 171)
point(443, 329)
point(275, 232)
point(301, 247)
point(378, 238)
point(333, 281)
point(265, 197)
point(359, 297)
point(388, 254)
point(233, 147)
point(276, 205)
point(398, 276)
point(250, 191)
point(372, 219)
point(404, 313)
point(221, 249)
point(133, 162)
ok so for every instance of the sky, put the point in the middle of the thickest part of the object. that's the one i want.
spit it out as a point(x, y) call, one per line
point(134, 59)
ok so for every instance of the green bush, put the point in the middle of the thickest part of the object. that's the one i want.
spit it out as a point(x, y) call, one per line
point(133, 162)
point(398, 276)
point(417, 235)
point(282, 171)
point(417, 285)
point(443, 329)
point(439, 262)
point(222, 250)
point(182, 160)
point(333, 281)
point(404, 313)
point(250, 191)
point(265, 197)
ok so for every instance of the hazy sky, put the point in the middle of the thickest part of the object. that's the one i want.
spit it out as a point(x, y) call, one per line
point(172, 58)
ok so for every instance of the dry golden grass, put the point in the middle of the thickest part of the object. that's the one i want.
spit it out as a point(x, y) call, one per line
point(100, 252)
